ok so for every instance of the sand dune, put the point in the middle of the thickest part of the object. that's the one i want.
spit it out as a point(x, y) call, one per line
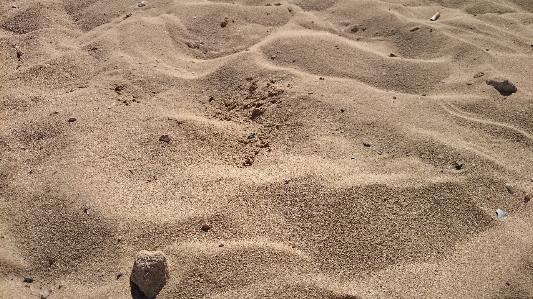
point(336, 148)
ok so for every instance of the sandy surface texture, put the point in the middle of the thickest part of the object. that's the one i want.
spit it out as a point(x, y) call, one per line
point(270, 149)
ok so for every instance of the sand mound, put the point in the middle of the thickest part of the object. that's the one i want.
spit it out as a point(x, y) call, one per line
point(271, 149)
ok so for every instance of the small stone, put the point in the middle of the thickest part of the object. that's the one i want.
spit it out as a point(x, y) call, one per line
point(164, 138)
point(342, 110)
point(119, 275)
point(71, 119)
point(150, 272)
point(206, 227)
point(45, 294)
point(28, 279)
point(479, 75)
point(14, 6)
point(510, 188)
point(527, 198)
point(143, 3)
point(502, 85)
point(86, 208)
point(458, 166)
point(500, 214)
point(367, 144)
point(414, 29)
point(221, 245)
point(251, 136)
point(392, 55)
point(273, 57)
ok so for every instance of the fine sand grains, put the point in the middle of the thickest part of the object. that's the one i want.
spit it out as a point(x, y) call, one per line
point(271, 149)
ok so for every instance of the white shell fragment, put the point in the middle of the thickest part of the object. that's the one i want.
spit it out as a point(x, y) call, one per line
point(500, 214)
point(435, 16)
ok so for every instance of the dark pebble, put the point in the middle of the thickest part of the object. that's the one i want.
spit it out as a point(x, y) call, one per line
point(251, 136)
point(458, 166)
point(164, 138)
point(367, 144)
point(392, 55)
point(119, 275)
point(206, 227)
point(342, 110)
point(29, 279)
point(72, 119)
point(527, 198)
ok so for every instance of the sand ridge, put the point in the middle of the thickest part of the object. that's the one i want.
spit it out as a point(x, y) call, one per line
point(335, 149)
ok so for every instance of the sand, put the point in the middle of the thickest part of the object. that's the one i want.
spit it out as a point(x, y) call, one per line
point(313, 148)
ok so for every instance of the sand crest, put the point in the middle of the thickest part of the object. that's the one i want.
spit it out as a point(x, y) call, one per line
point(285, 149)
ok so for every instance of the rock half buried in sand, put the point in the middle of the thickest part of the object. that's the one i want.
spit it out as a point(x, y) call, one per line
point(164, 138)
point(502, 85)
point(150, 272)
point(500, 214)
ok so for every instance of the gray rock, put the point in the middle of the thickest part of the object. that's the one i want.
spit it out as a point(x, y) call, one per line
point(150, 272)
point(500, 214)
point(502, 85)
point(45, 294)
point(143, 3)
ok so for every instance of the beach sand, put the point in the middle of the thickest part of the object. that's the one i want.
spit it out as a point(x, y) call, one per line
point(289, 149)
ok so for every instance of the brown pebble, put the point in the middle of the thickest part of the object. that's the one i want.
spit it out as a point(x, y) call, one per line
point(119, 275)
point(479, 74)
point(392, 55)
point(164, 138)
point(221, 245)
point(206, 227)
point(527, 198)
point(72, 119)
